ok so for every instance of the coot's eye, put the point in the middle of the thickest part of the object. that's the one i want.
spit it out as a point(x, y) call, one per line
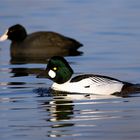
point(10, 31)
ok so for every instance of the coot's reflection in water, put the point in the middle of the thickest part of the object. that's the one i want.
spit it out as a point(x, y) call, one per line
point(19, 72)
point(42, 57)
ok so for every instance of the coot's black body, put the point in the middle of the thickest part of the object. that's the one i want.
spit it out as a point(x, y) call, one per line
point(39, 45)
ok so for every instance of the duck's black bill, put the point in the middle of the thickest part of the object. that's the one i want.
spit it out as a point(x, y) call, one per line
point(43, 74)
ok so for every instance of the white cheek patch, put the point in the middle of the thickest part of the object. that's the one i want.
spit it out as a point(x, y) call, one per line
point(4, 36)
point(51, 73)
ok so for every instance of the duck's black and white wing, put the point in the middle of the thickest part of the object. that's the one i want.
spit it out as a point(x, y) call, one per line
point(98, 84)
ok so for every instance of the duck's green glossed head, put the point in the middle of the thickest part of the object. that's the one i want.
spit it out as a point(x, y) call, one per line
point(58, 70)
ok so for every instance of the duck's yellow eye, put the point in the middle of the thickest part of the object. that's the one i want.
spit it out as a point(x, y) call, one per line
point(55, 68)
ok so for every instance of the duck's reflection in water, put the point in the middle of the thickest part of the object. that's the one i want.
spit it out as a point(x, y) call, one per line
point(60, 108)
point(60, 111)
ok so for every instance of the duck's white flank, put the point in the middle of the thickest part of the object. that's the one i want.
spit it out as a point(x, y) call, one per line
point(87, 85)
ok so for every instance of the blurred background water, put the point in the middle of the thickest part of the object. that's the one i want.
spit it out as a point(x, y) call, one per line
point(110, 32)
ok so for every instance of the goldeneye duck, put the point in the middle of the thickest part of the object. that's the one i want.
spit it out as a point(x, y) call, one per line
point(59, 71)
point(39, 44)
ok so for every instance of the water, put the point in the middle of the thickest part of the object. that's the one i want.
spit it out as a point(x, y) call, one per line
point(110, 32)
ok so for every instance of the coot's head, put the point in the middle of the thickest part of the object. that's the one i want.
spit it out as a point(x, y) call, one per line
point(15, 33)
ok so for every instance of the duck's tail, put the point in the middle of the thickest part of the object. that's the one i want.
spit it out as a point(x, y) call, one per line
point(136, 88)
point(129, 89)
